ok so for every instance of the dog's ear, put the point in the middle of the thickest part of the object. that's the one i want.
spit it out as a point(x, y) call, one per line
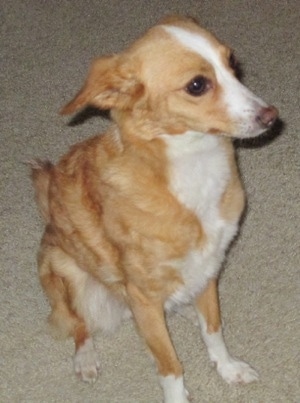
point(178, 19)
point(109, 85)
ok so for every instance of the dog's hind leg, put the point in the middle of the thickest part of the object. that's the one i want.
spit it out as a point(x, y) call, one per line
point(58, 275)
point(86, 362)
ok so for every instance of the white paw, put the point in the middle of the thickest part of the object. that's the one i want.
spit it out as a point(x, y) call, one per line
point(234, 371)
point(86, 363)
point(174, 390)
point(178, 399)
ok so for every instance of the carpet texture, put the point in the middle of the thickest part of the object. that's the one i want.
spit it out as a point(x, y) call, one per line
point(46, 47)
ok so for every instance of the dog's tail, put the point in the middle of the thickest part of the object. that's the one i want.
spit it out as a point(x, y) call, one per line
point(41, 174)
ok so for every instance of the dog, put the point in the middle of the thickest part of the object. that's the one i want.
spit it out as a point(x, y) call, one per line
point(139, 218)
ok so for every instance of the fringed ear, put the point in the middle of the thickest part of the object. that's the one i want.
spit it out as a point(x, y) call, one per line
point(108, 85)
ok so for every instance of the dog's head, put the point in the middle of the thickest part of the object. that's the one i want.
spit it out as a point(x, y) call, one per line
point(176, 78)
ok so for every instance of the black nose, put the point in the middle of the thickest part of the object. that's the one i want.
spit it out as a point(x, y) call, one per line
point(267, 116)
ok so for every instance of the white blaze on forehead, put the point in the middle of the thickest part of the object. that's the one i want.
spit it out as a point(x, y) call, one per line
point(196, 43)
point(242, 104)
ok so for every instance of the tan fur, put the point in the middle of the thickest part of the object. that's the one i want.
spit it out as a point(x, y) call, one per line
point(208, 305)
point(233, 200)
point(41, 173)
point(113, 225)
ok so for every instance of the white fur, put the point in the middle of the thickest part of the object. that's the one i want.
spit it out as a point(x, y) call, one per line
point(93, 301)
point(199, 174)
point(86, 363)
point(174, 390)
point(230, 369)
point(242, 104)
point(100, 308)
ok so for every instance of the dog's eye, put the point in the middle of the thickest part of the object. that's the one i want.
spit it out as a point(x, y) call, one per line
point(198, 86)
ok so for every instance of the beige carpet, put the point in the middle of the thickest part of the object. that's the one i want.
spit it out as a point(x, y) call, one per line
point(46, 47)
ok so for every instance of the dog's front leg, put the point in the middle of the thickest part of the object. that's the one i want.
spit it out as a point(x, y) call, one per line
point(149, 316)
point(231, 370)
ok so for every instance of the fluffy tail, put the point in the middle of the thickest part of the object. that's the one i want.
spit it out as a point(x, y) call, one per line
point(41, 174)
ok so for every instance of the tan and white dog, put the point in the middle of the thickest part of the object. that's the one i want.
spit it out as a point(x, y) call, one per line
point(138, 219)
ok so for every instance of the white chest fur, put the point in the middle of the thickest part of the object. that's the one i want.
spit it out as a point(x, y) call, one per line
point(199, 171)
point(199, 174)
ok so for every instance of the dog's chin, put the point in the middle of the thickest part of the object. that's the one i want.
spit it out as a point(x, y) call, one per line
point(248, 131)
